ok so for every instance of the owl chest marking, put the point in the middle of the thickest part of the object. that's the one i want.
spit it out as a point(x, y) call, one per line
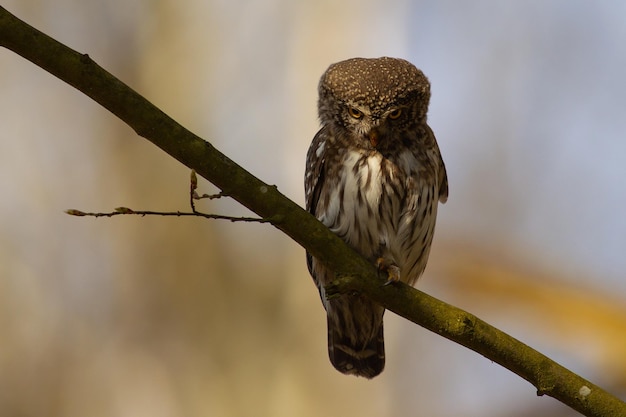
point(366, 208)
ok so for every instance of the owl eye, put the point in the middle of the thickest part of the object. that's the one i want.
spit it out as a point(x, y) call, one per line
point(394, 114)
point(357, 114)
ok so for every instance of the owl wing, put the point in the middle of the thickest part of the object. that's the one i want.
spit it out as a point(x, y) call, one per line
point(442, 175)
point(314, 177)
point(443, 182)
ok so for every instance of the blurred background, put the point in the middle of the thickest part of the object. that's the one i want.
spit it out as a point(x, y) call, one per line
point(164, 317)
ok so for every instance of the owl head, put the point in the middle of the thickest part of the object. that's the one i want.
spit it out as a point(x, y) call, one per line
point(373, 100)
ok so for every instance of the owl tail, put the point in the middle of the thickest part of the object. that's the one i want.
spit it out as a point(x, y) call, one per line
point(355, 338)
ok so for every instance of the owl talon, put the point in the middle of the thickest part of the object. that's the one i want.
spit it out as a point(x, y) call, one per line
point(393, 274)
point(393, 271)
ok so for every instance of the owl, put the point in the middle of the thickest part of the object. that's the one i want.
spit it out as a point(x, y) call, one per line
point(374, 176)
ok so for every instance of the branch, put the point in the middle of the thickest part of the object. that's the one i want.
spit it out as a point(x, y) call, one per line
point(354, 273)
point(125, 211)
point(193, 195)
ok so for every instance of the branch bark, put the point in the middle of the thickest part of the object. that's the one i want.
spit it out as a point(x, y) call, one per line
point(354, 273)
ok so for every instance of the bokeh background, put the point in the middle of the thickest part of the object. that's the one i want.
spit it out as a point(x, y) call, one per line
point(186, 317)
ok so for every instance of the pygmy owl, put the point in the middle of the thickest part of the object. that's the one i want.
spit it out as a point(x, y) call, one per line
point(374, 176)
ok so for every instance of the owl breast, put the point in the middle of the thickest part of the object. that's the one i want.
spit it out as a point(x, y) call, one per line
point(382, 209)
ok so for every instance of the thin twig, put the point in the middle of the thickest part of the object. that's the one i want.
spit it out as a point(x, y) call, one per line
point(125, 210)
point(193, 186)
point(193, 195)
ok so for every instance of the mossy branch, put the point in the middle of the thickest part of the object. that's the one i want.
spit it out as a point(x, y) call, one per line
point(355, 273)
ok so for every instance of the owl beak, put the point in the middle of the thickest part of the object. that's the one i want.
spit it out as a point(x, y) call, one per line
point(374, 137)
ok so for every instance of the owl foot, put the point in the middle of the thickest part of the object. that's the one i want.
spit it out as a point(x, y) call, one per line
point(393, 271)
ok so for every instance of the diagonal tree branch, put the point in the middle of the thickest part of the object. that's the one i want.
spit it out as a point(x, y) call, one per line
point(354, 273)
